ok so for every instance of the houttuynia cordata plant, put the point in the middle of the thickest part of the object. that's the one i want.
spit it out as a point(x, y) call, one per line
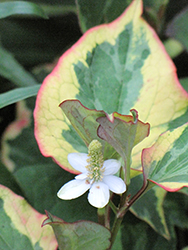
point(112, 115)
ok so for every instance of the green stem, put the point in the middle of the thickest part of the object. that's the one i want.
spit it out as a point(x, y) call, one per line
point(118, 219)
point(115, 229)
point(107, 217)
point(113, 207)
point(127, 171)
point(101, 215)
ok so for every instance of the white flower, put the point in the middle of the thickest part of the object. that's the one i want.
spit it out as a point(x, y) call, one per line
point(98, 180)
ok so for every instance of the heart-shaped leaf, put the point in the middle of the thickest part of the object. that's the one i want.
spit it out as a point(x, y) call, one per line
point(80, 235)
point(166, 162)
point(21, 225)
point(114, 67)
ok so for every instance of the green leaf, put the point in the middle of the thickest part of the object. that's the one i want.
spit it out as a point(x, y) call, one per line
point(21, 7)
point(165, 163)
point(114, 67)
point(23, 223)
point(18, 94)
point(13, 71)
point(81, 235)
point(177, 28)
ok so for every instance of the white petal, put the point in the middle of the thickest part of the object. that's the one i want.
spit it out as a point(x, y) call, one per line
point(78, 161)
point(73, 189)
point(81, 176)
point(99, 195)
point(115, 184)
point(111, 166)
